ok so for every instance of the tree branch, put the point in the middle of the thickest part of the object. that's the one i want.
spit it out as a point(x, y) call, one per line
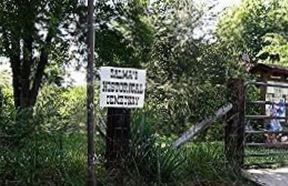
point(44, 52)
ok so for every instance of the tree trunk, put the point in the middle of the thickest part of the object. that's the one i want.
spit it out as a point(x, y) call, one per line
point(15, 62)
point(117, 142)
point(26, 87)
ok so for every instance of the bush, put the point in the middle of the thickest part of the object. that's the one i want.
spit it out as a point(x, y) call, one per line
point(55, 152)
point(45, 159)
point(61, 109)
point(152, 161)
point(47, 155)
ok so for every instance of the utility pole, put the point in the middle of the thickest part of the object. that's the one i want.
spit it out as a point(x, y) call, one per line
point(91, 181)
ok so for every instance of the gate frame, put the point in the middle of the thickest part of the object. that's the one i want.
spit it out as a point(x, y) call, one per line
point(235, 123)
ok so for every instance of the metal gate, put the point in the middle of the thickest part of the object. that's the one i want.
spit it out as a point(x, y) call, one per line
point(266, 135)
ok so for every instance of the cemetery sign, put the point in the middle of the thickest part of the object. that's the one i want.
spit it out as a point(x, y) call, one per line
point(122, 87)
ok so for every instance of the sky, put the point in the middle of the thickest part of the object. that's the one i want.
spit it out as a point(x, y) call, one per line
point(220, 5)
point(212, 16)
point(78, 77)
point(227, 3)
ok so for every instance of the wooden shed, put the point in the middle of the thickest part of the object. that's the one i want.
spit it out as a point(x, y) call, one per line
point(270, 72)
point(275, 74)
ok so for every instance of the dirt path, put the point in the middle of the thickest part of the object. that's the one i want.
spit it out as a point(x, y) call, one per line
point(270, 177)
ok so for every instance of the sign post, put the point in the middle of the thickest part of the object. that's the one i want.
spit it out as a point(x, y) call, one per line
point(120, 90)
point(91, 180)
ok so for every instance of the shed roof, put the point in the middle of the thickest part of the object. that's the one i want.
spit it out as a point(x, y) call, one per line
point(275, 70)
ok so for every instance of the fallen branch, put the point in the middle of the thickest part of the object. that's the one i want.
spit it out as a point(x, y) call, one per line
point(200, 126)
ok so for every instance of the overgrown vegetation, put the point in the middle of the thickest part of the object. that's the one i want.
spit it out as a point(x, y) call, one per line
point(42, 125)
point(56, 152)
point(260, 157)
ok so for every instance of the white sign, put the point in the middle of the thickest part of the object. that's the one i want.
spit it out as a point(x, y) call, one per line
point(122, 87)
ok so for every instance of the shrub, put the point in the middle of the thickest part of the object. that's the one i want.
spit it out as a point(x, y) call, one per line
point(152, 161)
point(45, 159)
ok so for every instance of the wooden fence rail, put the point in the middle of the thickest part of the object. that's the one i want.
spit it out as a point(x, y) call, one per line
point(200, 126)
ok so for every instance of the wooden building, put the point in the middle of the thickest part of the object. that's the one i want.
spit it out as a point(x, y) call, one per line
point(270, 72)
point(274, 74)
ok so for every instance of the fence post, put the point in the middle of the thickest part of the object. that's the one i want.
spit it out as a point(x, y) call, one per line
point(117, 143)
point(235, 128)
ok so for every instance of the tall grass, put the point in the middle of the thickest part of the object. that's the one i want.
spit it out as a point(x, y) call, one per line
point(44, 160)
point(61, 160)
point(56, 158)
point(207, 165)
point(265, 157)
point(152, 161)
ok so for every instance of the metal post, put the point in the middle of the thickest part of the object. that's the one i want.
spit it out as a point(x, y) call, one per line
point(91, 181)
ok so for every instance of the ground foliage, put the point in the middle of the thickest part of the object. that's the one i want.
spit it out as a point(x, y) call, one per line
point(58, 157)
point(55, 153)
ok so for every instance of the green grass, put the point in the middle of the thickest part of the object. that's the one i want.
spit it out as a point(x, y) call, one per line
point(59, 159)
point(267, 159)
point(44, 160)
point(210, 167)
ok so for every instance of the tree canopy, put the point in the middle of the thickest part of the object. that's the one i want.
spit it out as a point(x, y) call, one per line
point(259, 28)
point(35, 34)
